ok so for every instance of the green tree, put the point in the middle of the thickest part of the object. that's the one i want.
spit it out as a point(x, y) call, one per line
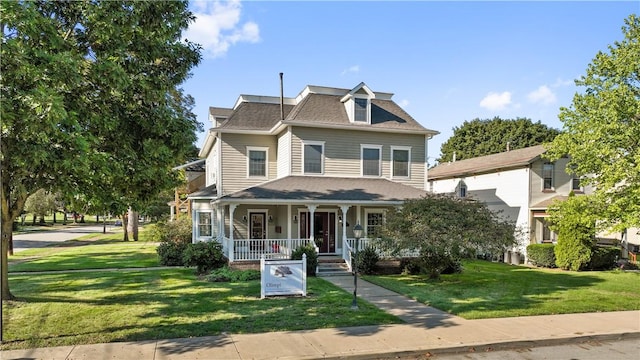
point(91, 103)
point(485, 137)
point(443, 229)
point(574, 220)
point(41, 203)
point(601, 130)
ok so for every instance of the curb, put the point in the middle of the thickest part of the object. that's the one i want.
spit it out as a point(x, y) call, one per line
point(489, 347)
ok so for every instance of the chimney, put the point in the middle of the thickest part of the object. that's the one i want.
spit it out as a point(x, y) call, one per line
point(454, 157)
point(281, 98)
point(508, 143)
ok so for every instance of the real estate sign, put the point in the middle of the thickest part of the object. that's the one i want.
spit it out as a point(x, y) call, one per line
point(283, 277)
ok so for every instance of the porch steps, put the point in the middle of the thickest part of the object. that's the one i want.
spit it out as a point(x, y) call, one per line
point(332, 266)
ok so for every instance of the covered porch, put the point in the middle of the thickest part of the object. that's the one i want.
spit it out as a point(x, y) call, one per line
point(276, 217)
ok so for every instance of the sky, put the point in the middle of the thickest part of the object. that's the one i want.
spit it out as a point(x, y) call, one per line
point(445, 62)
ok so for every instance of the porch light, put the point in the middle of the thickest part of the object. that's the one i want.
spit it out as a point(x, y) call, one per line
point(244, 218)
point(270, 218)
point(295, 218)
point(357, 233)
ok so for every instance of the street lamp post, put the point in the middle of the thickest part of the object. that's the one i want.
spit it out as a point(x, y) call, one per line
point(357, 233)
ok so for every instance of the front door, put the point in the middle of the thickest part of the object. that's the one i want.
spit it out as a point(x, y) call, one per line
point(324, 230)
point(257, 229)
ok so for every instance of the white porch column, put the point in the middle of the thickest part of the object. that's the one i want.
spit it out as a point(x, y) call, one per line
point(312, 210)
point(232, 209)
point(289, 228)
point(344, 209)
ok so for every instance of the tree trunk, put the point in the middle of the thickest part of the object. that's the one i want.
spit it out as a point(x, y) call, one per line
point(125, 225)
point(54, 216)
point(132, 225)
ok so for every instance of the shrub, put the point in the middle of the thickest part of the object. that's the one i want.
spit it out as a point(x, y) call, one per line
point(542, 255)
point(226, 274)
point(604, 258)
point(176, 231)
point(171, 253)
point(411, 266)
point(367, 259)
point(454, 267)
point(205, 256)
point(312, 258)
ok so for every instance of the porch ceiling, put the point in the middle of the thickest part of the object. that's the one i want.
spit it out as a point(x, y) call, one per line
point(321, 189)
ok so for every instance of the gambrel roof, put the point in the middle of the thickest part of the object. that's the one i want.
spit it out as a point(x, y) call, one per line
point(489, 163)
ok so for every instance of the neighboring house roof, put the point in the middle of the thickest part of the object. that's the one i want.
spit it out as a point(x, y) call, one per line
point(319, 189)
point(206, 193)
point(543, 205)
point(219, 111)
point(489, 163)
point(254, 116)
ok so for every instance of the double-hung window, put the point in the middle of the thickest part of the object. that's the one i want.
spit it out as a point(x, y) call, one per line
point(313, 157)
point(547, 176)
point(205, 224)
point(400, 157)
point(257, 162)
point(371, 160)
point(375, 220)
point(575, 183)
point(361, 110)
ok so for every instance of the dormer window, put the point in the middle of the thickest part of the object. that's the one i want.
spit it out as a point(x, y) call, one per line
point(361, 110)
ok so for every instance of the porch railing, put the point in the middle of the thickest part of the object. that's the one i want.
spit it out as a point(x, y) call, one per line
point(253, 249)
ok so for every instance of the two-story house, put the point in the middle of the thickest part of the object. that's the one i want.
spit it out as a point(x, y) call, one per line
point(282, 172)
point(520, 184)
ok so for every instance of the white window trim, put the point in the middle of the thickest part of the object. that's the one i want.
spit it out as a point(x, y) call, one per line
point(368, 109)
point(553, 176)
point(322, 157)
point(197, 215)
point(401, 148)
point(370, 146)
point(366, 218)
point(266, 159)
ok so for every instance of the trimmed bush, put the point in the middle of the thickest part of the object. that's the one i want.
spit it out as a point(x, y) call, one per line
point(226, 274)
point(312, 258)
point(205, 256)
point(171, 253)
point(542, 255)
point(367, 259)
point(604, 258)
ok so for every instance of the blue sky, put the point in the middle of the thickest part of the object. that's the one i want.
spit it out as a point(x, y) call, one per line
point(446, 62)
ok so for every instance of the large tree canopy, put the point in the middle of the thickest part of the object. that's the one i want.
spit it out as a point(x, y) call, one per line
point(601, 130)
point(91, 103)
point(491, 136)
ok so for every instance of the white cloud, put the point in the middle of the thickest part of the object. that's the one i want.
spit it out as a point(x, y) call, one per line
point(562, 82)
point(404, 103)
point(542, 95)
point(217, 27)
point(496, 101)
point(352, 69)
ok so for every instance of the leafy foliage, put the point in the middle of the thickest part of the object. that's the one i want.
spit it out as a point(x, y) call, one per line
point(443, 229)
point(601, 130)
point(367, 259)
point(312, 258)
point(177, 231)
point(171, 253)
point(41, 203)
point(604, 258)
point(574, 221)
point(205, 256)
point(491, 136)
point(226, 274)
point(542, 255)
point(91, 103)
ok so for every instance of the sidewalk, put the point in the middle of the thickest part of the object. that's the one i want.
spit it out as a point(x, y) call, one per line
point(427, 331)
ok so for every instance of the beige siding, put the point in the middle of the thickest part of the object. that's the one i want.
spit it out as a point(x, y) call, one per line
point(342, 152)
point(234, 160)
point(562, 181)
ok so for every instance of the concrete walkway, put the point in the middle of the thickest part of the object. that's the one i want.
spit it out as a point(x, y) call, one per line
point(427, 331)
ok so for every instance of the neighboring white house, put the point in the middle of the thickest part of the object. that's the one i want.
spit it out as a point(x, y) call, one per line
point(521, 184)
point(281, 172)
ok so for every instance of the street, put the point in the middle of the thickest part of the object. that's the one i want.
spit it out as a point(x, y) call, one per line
point(590, 350)
point(42, 239)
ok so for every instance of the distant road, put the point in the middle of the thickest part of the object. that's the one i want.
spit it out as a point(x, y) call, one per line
point(42, 239)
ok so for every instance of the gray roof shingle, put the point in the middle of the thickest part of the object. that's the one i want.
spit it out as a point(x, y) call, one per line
point(483, 164)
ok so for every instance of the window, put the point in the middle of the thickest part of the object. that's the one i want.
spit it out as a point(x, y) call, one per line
point(547, 234)
point(400, 158)
point(312, 158)
point(361, 107)
point(575, 183)
point(462, 191)
point(257, 162)
point(547, 176)
point(375, 219)
point(205, 224)
point(371, 160)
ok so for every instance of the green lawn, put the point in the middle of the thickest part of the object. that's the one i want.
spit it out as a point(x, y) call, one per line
point(489, 290)
point(128, 305)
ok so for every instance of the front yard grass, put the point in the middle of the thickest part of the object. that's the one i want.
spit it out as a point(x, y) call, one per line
point(128, 305)
point(490, 290)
